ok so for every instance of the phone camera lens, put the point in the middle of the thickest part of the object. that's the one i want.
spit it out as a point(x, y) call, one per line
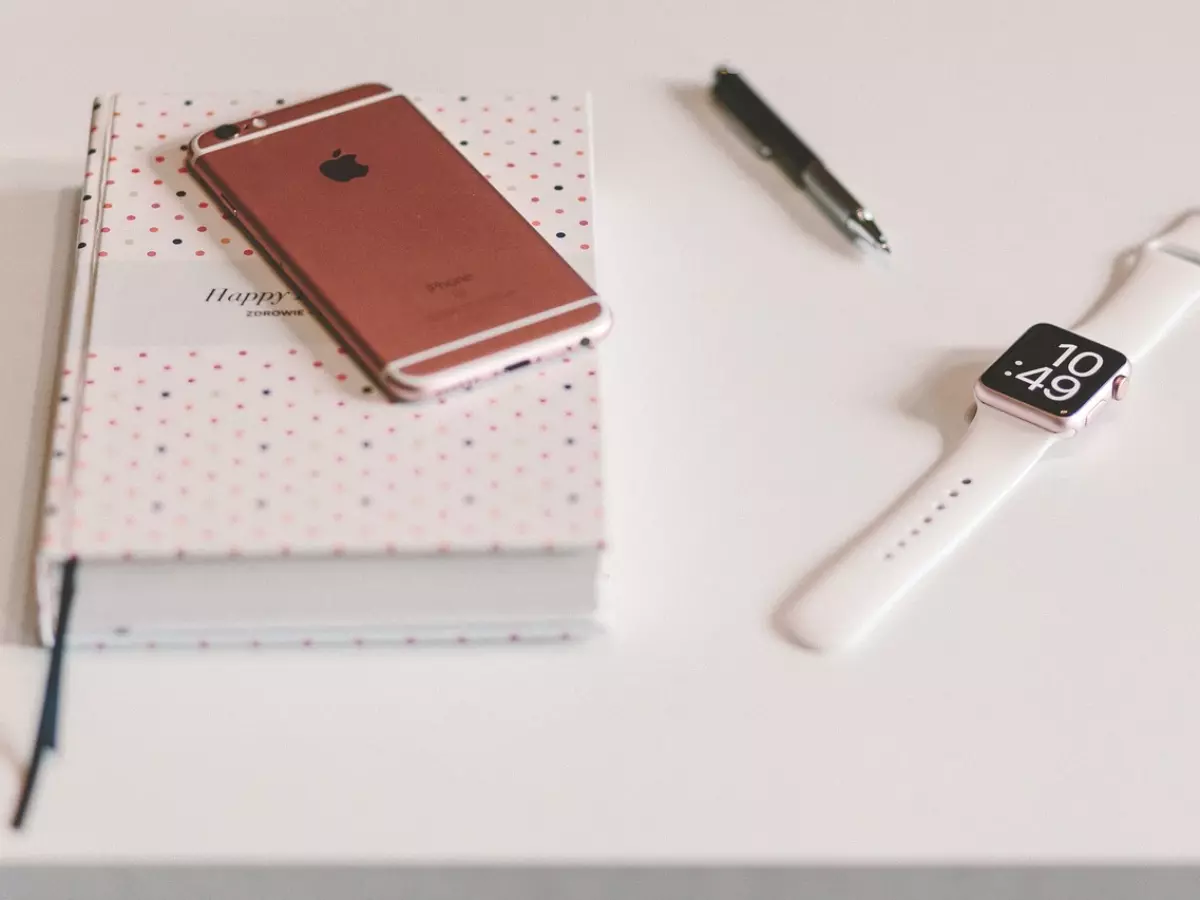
point(225, 132)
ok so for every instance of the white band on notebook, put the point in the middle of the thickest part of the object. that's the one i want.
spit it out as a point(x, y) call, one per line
point(845, 600)
point(1164, 283)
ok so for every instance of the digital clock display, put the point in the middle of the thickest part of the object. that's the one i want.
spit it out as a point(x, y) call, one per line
point(1054, 370)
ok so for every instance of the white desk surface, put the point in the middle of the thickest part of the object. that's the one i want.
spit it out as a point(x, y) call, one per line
point(767, 394)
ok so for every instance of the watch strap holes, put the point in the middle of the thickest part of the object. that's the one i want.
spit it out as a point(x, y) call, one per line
point(951, 494)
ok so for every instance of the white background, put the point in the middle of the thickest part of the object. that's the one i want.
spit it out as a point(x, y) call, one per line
point(767, 393)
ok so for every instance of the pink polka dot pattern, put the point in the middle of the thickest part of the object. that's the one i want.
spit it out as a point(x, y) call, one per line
point(281, 447)
point(220, 454)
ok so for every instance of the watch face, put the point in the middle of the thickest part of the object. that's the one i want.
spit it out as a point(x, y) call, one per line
point(1053, 370)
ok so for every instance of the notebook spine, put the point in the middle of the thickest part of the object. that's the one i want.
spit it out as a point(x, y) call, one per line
point(55, 539)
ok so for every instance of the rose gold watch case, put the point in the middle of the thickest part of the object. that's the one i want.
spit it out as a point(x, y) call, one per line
point(1067, 425)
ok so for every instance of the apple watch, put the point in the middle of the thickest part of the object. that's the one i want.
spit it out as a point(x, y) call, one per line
point(1050, 384)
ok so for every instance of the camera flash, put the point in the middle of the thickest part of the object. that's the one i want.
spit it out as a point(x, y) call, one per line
point(259, 123)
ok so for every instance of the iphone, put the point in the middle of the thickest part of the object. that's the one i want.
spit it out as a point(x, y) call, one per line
point(416, 264)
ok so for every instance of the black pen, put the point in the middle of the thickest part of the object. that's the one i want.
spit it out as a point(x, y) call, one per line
point(778, 143)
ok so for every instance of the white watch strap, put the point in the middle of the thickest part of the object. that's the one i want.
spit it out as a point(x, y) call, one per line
point(847, 598)
point(1165, 281)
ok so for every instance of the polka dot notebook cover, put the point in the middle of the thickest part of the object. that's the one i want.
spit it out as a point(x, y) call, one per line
point(222, 470)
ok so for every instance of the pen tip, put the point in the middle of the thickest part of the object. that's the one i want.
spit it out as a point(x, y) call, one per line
point(863, 225)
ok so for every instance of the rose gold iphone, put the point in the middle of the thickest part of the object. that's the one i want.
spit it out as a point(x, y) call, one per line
point(416, 264)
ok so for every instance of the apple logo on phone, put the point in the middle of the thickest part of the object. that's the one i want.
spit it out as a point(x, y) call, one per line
point(343, 167)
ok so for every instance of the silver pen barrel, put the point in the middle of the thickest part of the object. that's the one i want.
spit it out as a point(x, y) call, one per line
point(839, 204)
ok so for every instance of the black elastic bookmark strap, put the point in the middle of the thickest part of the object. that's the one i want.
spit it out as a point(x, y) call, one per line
point(47, 731)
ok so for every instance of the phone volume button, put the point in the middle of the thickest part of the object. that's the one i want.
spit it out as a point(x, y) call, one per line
point(229, 206)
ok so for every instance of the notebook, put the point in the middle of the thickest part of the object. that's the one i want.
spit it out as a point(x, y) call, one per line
point(221, 470)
